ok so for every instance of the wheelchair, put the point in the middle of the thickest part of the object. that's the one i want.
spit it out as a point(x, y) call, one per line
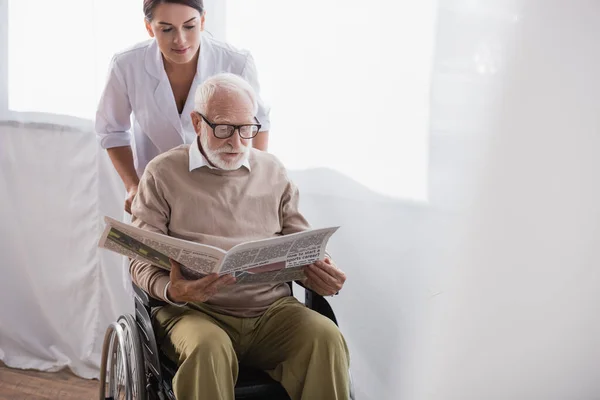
point(133, 367)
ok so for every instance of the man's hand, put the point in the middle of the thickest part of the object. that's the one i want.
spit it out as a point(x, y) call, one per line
point(131, 192)
point(182, 290)
point(324, 278)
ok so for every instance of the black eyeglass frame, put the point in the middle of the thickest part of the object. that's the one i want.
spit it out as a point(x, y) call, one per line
point(235, 127)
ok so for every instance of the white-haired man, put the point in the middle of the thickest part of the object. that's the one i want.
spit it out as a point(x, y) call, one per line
point(220, 191)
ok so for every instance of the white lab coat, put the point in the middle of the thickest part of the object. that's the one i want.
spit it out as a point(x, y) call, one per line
point(138, 99)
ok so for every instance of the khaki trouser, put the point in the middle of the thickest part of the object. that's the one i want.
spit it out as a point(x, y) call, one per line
point(297, 346)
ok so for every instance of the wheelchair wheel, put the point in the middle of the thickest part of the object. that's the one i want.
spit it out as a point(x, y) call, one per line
point(122, 362)
point(352, 393)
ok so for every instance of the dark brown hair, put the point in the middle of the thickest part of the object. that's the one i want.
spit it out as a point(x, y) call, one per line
point(150, 5)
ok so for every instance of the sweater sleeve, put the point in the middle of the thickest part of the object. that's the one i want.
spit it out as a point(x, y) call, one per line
point(150, 211)
point(292, 219)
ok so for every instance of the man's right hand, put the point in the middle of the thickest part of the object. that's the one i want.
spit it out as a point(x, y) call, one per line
point(131, 192)
point(200, 290)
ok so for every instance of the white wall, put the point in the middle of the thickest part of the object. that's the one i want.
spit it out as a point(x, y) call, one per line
point(216, 18)
point(519, 313)
point(3, 57)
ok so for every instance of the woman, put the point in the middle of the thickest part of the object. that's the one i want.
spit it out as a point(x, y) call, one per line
point(150, 89)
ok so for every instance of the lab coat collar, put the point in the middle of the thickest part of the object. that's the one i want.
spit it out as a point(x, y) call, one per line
point(163, 93)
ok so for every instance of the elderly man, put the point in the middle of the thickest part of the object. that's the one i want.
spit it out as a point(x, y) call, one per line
point(220, 191)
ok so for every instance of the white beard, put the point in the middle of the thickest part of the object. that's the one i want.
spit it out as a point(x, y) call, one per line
point(214, 155)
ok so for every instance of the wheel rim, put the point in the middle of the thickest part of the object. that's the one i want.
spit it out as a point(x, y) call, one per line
point(117, 373)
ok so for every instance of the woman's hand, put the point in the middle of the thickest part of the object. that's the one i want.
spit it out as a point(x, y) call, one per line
point(131, 192)
point(122, 159)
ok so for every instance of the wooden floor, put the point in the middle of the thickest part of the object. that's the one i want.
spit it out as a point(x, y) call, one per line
point(16, 384)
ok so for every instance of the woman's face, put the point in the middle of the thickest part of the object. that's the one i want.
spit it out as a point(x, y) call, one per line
point(177, 29)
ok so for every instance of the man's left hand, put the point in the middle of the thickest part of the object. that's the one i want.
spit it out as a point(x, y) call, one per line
point(324, 278)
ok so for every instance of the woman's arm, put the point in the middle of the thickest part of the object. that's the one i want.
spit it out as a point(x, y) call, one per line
point(114, 110)
point(112, 128)
point(249, 73)
point(261, 141)
point(122, 160)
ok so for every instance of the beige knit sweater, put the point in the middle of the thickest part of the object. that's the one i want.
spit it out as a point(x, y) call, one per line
point(218, 208)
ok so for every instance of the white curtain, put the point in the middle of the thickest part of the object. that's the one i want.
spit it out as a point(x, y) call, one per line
point(59, 291)
point(454, 144)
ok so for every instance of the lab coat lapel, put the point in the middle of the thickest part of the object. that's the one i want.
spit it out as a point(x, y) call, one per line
point(164, 102)
point(202, 72)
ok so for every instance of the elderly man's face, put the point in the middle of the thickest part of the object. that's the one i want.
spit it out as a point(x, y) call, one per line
point(225, 107)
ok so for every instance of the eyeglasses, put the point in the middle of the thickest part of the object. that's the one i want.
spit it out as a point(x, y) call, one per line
point(225, 131)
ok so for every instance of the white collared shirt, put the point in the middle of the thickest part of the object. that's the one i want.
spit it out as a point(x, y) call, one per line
point(197, 159)
point(138, 100)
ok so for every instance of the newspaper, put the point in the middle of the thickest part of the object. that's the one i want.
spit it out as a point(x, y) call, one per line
point(276, 259)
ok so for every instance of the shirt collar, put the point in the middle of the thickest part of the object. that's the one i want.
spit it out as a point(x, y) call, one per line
point(197, 159)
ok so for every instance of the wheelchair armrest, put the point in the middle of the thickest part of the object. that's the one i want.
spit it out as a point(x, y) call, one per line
point(318, 303)
point(146, 299)
point(312, 300)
